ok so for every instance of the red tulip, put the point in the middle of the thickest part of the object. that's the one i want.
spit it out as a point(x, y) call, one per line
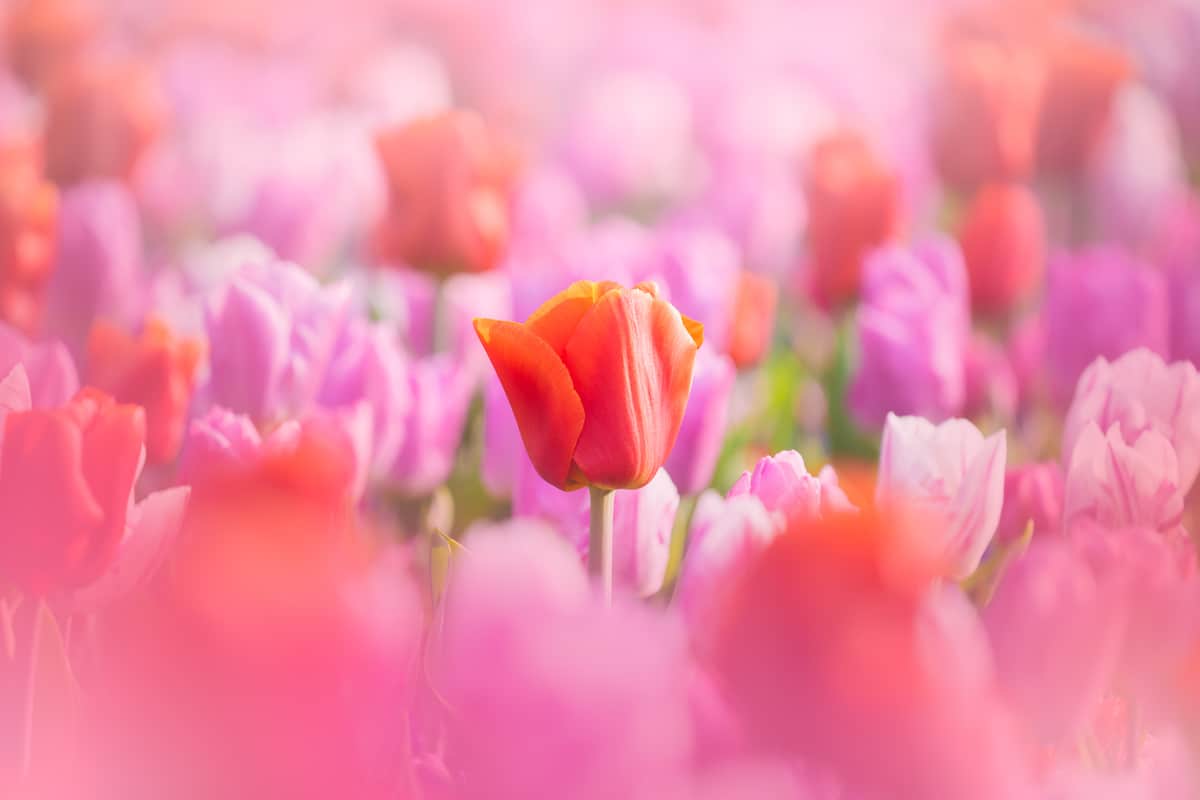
point(598, 378)
point(753, 319)
point(101, 117)
point(853, 206)
point(449, 183)
point(42, 35)
point(1003, 240)
point(66, 481)
point(156, 370)
point(28, 215)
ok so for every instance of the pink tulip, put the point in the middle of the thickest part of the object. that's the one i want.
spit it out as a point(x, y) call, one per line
point(705, 420)
point(1033, 493)
point(950, 471)
point(53, 379)
point(782, 482)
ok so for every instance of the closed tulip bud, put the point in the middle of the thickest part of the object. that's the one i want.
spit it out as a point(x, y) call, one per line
point(598, 379)
point(1003, 240)
point(449, 183)
point(28, 215)
point(853, 206)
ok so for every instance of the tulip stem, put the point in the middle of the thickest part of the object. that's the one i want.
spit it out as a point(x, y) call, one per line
point(600, 539)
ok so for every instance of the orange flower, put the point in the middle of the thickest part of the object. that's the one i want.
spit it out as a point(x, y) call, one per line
point(598, 378)
point(853, 206)
point(449, 181)
point(155, 370)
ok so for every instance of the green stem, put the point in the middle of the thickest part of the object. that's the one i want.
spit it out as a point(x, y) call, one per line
point(600, 539)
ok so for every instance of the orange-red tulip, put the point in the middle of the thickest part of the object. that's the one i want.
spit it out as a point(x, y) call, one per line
point(28, 216)
point(449, 182)
point(42, 35)
point(1003, 240)
point(853, 206)
point(753, 320)
point(598, 378)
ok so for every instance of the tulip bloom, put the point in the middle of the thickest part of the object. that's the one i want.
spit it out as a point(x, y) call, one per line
point(155, 370)
point(449, 184)
point(598, 379)
point(1003, 241)
point(42, 35)
point(28, 216)
point(854, 206)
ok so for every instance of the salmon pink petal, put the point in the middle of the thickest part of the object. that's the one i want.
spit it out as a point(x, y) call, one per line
point(113, 454)
point(631, 362)
point(548, 410)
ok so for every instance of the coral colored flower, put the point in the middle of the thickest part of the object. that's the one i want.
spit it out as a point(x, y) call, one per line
point(28, 215)
point(1083, 77)
point(952, 472)
point(853, 206)
point(66, 492)
point(1003, 241)
point(986, 110)
point(753, 320)
point(101, 118)
point(155, 370)
point(449, 182)
point(598, 379)
point(42, 35)
point(1140, 392)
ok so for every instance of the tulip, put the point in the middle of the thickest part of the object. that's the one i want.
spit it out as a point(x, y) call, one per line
point(271, 332)
point(1033, 493)
point(28, 215)
point(439, 391)
point(53, 379)
point(753, 321)
point(101, 118)
point(156, 371)
point(98, 269)
point(1003, 241)
point(986, 112)
point(1139, 392)
point(693, 459)
point(598, 379)
point(1100, 303)
point(449, 183)
point(991, 384)
point(1083, 78)
point(853, 206)
point(950, 471)
point(1175, 244)
point(43, 35)
point(66, 497)
point(783, 484)
point(912, 333)
point(1119, 481)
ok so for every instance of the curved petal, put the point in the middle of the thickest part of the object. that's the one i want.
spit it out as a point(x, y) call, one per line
point(556, 319)
point(631, 361)
point(547, 408)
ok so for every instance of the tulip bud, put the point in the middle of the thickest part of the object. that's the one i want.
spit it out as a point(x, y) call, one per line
point(1003, 242)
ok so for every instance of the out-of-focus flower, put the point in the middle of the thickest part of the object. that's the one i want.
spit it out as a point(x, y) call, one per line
point(818, 611)
point(28, 215)
point(643, 520)
point(753, 320)
point(399, 83)
point(502, 448)
point(1033, 493)
point(1003, 242)
point(783, 484)
point(1175, 244)
point(598, 379)
point(101, 118)
point(912, 328)
point(1121, 480)
point(271, 332)
point(953, 474)
point(440, 389)
point(53, 379)
point(1139, 392)
point(990, 380)
point(40, 36)
point(98, 271)
point(549, 209)
point(1100, 302)
point(694, 456)
point(66, 494)
point(853, 207)
point(725, 536)
point(610, 721)
point(156, 370)
point(1082, 80)
point(449, 183)
point(986, 110)
point(629, 140)
point(1138, 168)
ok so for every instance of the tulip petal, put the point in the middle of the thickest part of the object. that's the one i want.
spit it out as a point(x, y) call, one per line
point(556, 319)
point(630, 360)
point(547, 408)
